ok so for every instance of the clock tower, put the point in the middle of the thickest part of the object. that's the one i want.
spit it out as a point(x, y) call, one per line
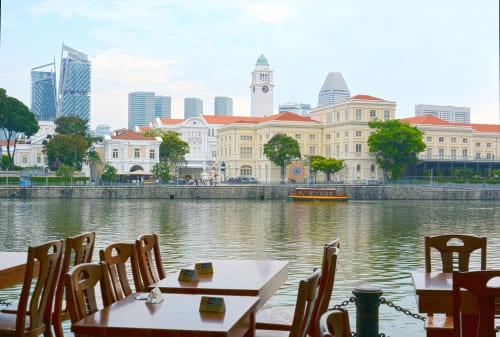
point(262, 89)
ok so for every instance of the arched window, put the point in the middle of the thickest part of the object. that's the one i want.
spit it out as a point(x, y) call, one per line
point(246, 171)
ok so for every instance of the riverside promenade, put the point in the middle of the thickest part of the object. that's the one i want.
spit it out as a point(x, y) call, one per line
point(249, 192)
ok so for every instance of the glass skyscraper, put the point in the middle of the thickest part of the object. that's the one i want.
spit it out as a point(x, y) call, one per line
point(141, 108)
point(223, 106)
point(43, 93)
point(334, 90)
point(192, 107)
point(74, 84)
point(163, 106)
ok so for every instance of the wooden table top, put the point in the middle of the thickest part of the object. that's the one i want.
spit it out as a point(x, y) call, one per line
point(12, 268)
point(177, 315)
point(260, 278)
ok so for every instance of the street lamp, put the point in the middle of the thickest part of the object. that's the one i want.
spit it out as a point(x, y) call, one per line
point(223, 171)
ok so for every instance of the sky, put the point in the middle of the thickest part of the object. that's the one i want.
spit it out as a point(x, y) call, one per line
point(442, 52)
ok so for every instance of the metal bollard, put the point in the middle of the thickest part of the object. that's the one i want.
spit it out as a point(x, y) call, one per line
point(367, 303)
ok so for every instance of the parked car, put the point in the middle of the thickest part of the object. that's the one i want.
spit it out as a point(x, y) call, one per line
point(247, 180)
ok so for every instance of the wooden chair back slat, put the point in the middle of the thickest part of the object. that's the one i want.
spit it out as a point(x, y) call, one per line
point(149, 259)
point(306, 299)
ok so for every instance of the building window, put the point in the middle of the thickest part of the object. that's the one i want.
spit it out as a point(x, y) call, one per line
point(465, 140)
point(328, 151)
point(478, 144)
point(297, 136)
point(346, 149)
point(464, 154)
point(373, 115)
point(246, 170)
point(441, 139)
point(152, 154)
point(338, 116)
point(337, 150)
point(246, 152)
point(429, 153)
point(312, 137)
point(329, 118)
point(328, 136)
point(346, 115)
point(359, 133)
point(488, 144)
point(245, 138)
point(372, 168)
point(478, 155)
point(453, 154)
point(115, 153)
point(24, 160)
point(429, 139)
point(137, 153)
point(358, 148)
point(387, 115)
point(338, 135)
point(488, 155)
point(441, 153)
point(346, 134)
point(453, 139)
point(38, 159)
point(312, 150)
point(358, 168)
point(358, 115)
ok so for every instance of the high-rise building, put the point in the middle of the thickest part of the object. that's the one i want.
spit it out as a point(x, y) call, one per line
point(43, 93)
point(262, 89)
point(163, 106)
point(102, 130)
point(334, 90)
point(449, 113)
point(141, 108)
point(74, 84)
point(192, 107)
point(223, 106)
point(297, 108)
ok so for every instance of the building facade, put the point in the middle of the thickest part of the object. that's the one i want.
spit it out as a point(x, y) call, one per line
point(193, 107)
point(223, 106)
point(262, 89)
point(334, 90)
point(44, 93)
point(74, 84)
point(141, 108)
point(449, 113)
point(163, 106)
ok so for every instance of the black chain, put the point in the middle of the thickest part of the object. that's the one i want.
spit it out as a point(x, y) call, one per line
point(400, 309)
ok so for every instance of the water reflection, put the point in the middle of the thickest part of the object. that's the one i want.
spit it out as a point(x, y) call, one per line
point(381, 241)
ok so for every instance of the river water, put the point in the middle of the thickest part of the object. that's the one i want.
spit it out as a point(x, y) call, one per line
point(381, 241)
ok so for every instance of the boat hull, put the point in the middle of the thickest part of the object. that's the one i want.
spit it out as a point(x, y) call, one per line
point(303, 198)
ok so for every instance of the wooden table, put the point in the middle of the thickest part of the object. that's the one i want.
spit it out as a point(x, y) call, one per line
point(177, 315)
point(260, 278)
point(12, 268)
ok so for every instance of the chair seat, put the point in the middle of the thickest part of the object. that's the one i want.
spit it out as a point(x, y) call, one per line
point(8, 323)
point(272, 333)
point(438, 325)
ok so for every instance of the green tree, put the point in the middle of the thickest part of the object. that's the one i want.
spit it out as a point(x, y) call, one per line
point(313, 168)
point(162, 171)
point(16, 122)
point(395, 145)
point(65, 171)
point(67, 149)
point(96, 165)
point(110, 174)
point(328, 166)
point(173, 148)
point(281, 148)
point(71, 125)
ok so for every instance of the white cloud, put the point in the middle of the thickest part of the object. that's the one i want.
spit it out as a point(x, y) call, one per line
point(270, 12)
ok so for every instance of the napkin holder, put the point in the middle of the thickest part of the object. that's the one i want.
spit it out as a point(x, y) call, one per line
point(155, 296)
point(212, 304)
point(188, 275)
point(204, 268)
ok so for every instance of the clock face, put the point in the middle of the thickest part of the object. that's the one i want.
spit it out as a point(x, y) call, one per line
point(265, 88)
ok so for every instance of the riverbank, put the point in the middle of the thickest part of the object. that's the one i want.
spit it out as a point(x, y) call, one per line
point(249, 192)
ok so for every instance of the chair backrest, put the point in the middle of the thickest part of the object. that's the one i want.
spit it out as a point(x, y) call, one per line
point(306, 298)
point(78, 249)
point(43, 264)
point(117, 256)
point(81, 282)
point(454, 256)
point(149, 259)
point(485, 286)
point(328, 271)
point(335, 323)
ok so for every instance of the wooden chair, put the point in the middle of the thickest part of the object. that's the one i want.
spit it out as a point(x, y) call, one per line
point(149, 260)
point(117, 256)
point(335, 323)
point(485, 287)
point(81, 283)
point(306, 299)
point(32, 317)
point(78, 249)
point(454, 257)
point(279, 320)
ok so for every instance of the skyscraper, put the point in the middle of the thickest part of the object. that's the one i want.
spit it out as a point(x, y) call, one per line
point(334, 90)
point(74, 84)
point(163, 106)
point(43, 93)
point(262, 89)
point(192, 107)
point(141, 108)
point(449, 113)
point(223, 106)
point(297, 108)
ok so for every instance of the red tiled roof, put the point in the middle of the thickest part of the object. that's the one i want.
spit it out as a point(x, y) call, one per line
point(144, 128)
point(288, 117)
point(365, 98)
point(433, 120)
point(211, 119)
point(4, 142)
point(131, 135)
point(171, 120)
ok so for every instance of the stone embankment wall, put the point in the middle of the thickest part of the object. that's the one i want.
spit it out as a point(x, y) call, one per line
point(256, 192)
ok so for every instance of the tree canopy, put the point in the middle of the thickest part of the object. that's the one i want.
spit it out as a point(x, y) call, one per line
point(71, 125)
point(395, 145)
point(328, 166)
point(16, 121)
point(281, 148)
point(173, 148)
